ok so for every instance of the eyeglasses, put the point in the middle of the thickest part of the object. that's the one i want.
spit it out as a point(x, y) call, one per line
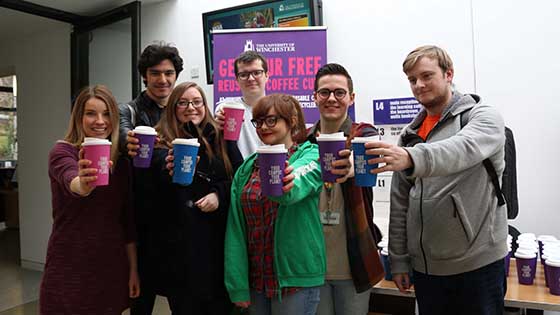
point(195, 103)
point(245, 75)
point(269, 120)
point(326, 93)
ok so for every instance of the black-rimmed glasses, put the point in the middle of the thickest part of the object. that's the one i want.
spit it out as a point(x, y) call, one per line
point(195, 103)
point(245, 75)
point(269, 120)
point(326, 93)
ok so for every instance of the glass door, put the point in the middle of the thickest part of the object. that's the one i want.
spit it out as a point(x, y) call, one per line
point(105, 49)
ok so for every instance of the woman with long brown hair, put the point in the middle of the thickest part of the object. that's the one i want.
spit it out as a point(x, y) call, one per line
point(91, 256)
point(183, 259)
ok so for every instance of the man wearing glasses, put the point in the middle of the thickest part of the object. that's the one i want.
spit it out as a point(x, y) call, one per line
point(159, 66)
point(353, 264)
point(251, 72)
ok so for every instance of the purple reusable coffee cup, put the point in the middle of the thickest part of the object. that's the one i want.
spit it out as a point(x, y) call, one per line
point(554, 275)
point(98, 151)
point(526, 266)
point(185, 152)
point(329, 146)
point(272, 162)
point(146, 138)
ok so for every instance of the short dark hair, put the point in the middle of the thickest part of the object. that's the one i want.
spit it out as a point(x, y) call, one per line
point(156, 53)
point(333, 69)
point(248, 57)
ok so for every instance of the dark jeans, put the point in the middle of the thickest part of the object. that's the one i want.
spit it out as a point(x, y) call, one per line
point(480, 291)
point(181, 303)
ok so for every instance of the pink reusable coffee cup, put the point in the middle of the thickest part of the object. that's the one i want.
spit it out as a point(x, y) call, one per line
point(98, 151)
point(329, 146)
point(146, 140)
point(233, 120)
point(272, 162)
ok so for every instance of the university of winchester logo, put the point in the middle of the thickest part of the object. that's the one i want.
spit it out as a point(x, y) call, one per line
point(248, 46)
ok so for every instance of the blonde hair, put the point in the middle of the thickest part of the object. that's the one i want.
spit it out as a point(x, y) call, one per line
point(76, 133)
point(169, 127)
point(429, 51)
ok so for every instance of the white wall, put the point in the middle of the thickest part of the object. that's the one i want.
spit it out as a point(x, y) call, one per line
point(42, 66)
point(504, 51)
point(517, 65)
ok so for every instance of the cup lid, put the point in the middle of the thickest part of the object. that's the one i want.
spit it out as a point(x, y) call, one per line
point(527, 235)
point(95, 141)
point(145, 130)
point(184, 141)
point(528, 248)
point(365, 139)
point(233, 105)
point(544, 238)
point(277, 148)
point(553, 261)
point(527, 242)
point(525, 254)
point(337, 136)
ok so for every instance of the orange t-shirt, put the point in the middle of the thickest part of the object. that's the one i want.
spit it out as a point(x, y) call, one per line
point(427, 125)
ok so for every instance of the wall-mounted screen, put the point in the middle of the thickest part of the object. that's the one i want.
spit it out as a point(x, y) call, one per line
point(269, 13)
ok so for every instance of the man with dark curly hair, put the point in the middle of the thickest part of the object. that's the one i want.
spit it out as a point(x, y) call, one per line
point(159, 65)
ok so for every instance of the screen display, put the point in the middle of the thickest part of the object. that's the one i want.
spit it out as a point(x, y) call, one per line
point(275, 13)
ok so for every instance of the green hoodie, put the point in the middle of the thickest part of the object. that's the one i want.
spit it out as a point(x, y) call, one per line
point(299, 247)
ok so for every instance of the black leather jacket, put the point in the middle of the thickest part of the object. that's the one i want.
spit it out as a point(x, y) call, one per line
point(146, 113)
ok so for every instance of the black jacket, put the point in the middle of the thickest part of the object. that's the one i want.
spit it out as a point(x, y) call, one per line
point(146, 113)
point(184, 247)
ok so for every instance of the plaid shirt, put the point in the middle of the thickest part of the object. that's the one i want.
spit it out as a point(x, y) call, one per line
point(260, 214)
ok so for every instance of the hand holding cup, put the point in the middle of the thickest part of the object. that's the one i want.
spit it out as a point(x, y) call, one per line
point(220, 118)
point(132, 144)
point(395, 158)
point(343, 167)
point(288, 178)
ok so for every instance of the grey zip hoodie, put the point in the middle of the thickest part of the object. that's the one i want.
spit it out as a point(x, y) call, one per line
point(445, 217)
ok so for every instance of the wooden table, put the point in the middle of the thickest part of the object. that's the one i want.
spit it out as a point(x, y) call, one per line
point(534, 296)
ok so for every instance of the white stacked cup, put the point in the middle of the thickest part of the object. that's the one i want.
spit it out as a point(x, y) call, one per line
point(507, 259)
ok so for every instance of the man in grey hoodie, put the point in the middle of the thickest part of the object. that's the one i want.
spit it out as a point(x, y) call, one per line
point(445, 222)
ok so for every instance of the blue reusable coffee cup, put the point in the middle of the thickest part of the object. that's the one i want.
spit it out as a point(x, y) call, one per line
point(184, 161)
point(362, 175)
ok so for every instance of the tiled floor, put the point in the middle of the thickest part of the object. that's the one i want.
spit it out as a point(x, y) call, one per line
point(18, 285)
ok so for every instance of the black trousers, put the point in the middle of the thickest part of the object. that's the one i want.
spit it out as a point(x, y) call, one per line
point(181, 303)
point(479, 292)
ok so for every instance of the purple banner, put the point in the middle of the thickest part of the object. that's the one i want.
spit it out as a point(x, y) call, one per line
point(294, 56)
point(395, 111)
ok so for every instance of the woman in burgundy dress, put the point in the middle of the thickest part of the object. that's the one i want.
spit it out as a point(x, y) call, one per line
point(91, 256)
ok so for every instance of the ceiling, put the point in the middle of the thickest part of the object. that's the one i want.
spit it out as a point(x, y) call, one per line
point(86, 7)
point(16, 24)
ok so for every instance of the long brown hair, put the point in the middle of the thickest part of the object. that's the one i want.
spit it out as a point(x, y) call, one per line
point(286, 107)
point(76, 134)
point(169, 127)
